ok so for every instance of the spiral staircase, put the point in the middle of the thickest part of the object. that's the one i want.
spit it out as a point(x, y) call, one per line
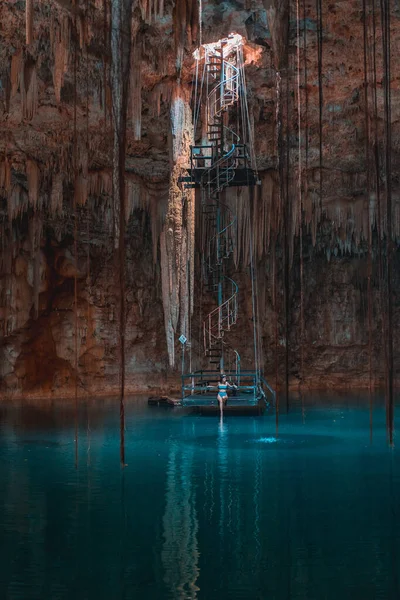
point(221, 162)
point(217, 215)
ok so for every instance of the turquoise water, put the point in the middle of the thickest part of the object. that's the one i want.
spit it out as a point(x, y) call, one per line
point(202, 509)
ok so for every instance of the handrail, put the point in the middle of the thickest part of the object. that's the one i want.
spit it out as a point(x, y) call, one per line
point(269, 388)
point(213, 331)
point(214, 179)
point(233, 134)
point(215, 239)
point(200, 372)
point(221, 159)
point(233, 93)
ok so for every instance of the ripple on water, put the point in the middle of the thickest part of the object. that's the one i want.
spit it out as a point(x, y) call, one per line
point(243, 441)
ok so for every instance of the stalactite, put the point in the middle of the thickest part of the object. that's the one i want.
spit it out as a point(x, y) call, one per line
point(56, 197)
point(136, 88)
point(241, 208)
point(172, 242)
point(15, 74)
point(154, 202)
point(134, 198)
point(33, 176)
point(268, 189)
point(151, 10)
point(190, 225)
point(82, 32)
point(81, 189)
point(175, 228)
point(100, 183)
point(35, 235)
point(60, 40)
point(17, 202)
point(158, 210)
point(278, 22)
point(186, 20)
point(29, 21)
point(183, 286)
point(29, 90)
point(5, 176)
point(161, 92)
point(6, 281)
point(169, 317)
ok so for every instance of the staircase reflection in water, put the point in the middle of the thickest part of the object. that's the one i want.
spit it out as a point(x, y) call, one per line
point(211, 495)
point(180, 552)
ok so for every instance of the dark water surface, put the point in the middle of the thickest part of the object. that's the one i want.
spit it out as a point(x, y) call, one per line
point(202, 510)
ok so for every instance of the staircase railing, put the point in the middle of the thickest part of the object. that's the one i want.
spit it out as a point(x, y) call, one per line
point(214, 180)
point(225, 93)
point(221, 318)
point(220, 246)
point(211, 178)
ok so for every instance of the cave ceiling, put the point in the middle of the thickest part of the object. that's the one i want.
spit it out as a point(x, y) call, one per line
point(64, 73)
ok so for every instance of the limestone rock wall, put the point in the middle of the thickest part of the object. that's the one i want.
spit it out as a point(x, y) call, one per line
point(37, 354)
point(56, 119)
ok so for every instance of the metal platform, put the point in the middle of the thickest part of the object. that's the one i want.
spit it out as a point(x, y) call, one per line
point(243, 177)
point(203, 169)
point(200, 389)
point(233, 408)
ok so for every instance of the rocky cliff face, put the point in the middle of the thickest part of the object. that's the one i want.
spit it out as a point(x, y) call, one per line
point(323, 135)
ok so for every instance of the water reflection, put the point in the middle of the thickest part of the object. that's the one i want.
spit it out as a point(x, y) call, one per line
point(222, 478)
point(257, 492)
point(206, 508)
point(180, 525)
